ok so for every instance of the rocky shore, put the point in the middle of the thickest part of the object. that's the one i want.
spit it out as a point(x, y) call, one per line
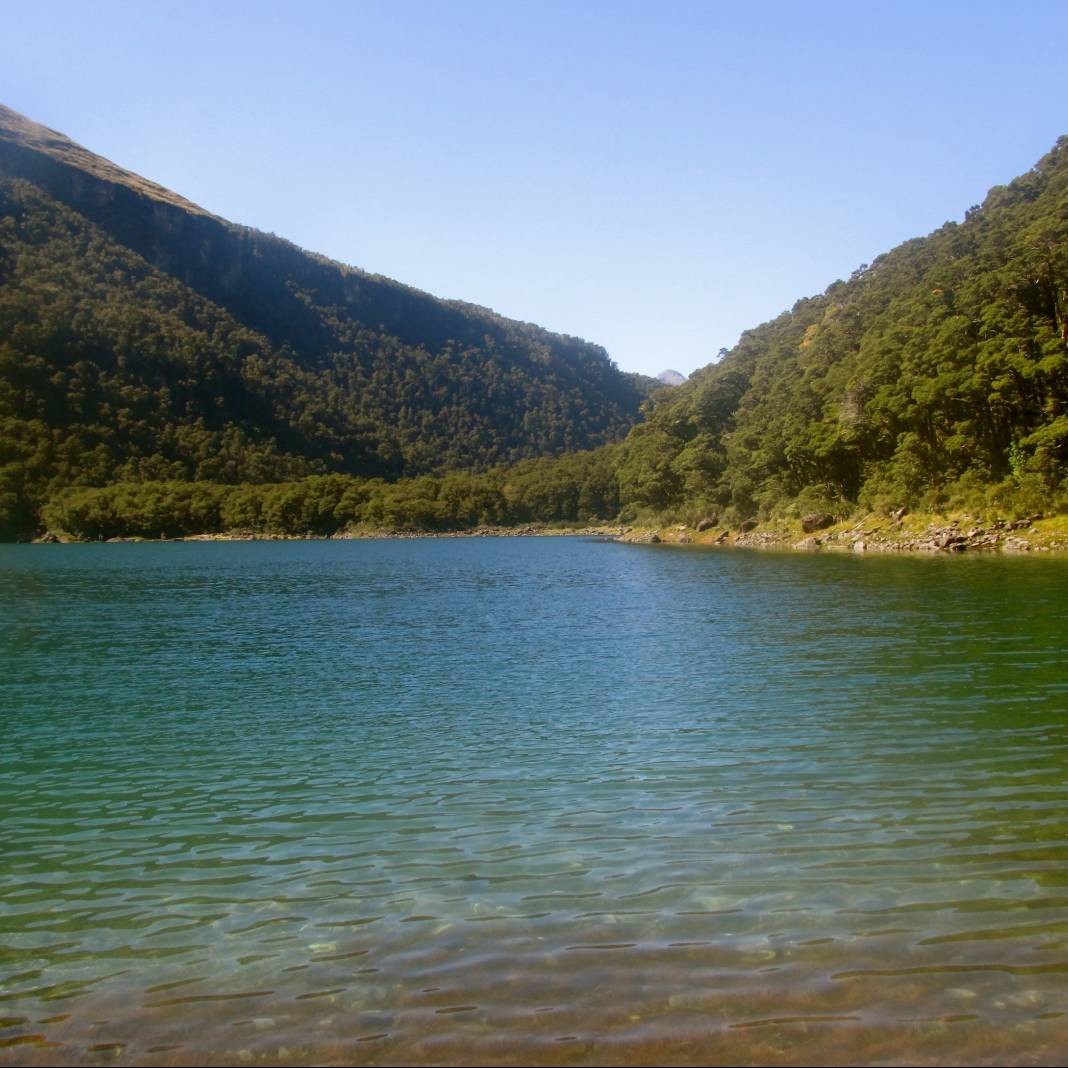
point(361, 533)
point(897, 533)
point(529, 531)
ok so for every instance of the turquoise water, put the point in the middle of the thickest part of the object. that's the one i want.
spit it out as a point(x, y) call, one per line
point(548, 801)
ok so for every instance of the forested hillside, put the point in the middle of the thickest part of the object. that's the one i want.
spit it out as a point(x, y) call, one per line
point(936, 376)
point(145, 345)
point(142, 338)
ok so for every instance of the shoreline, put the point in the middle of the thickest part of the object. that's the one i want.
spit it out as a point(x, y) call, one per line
point(901, 534)
point(614, 531)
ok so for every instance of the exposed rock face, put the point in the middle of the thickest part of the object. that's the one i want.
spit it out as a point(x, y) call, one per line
point(671, 378)
point(354, 372)
point(746, 525)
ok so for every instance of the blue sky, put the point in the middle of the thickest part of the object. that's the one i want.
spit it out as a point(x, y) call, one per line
point(653, 177)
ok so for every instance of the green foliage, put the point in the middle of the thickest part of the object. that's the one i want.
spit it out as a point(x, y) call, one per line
point(577, 488)
point(144, 340)
point(164, 372)
point(930, 378)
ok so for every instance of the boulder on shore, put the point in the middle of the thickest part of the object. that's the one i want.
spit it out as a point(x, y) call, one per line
point(816, 521)
point(52, 537)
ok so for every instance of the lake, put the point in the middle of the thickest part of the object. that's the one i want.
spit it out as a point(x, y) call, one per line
point(531, 801)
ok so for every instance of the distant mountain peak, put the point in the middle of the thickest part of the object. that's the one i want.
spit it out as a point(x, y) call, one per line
point(671, 378)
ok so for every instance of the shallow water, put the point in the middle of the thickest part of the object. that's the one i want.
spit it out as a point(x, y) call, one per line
point(545, 801)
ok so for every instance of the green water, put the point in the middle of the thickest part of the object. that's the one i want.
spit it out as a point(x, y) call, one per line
point(546, 801)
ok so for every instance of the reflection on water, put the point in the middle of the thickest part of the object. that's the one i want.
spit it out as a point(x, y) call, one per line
point(546, 801)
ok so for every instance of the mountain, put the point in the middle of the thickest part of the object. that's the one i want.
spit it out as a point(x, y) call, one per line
point(671, 378)
point(935, 377)
point(142, 337)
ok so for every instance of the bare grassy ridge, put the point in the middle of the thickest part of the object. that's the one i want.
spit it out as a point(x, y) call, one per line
point(18, 129)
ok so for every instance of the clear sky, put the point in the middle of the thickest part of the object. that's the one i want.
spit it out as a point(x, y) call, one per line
point(655, 177)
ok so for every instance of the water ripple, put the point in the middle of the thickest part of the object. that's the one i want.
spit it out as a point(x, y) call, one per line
point(542, 801)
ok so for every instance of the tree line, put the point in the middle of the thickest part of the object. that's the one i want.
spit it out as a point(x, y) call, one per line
point(577, 488)
point(935, 378)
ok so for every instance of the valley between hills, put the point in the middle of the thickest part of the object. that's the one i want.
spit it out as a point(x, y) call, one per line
point(166, 373)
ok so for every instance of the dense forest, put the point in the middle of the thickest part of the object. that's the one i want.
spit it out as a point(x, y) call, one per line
point(935, 377)
point(579, 487)
point(142, 391)
point(143, 339)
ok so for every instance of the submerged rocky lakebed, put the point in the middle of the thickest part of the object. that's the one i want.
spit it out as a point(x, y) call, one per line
point(550, 801)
